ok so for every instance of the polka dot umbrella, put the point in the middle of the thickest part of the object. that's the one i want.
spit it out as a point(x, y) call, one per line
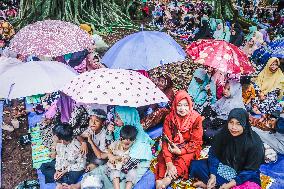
point(50, 38)
point(114, 87)
point(221, 55)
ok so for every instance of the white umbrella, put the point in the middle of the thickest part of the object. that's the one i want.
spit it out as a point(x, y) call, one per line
point(6, 63)
point(34, 78)
point(114, 87)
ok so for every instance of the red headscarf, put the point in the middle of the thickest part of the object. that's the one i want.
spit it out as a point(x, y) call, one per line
point(184, 123)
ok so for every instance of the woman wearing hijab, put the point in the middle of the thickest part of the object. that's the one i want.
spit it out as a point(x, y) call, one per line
point(250, 47)
point(236, 37)
point(219, 33)
point(227, 33)
point(234, 158)
point(252, 30)
point(271, 77)
point(204, 31)
point(156, 113)
point(202, 89)
point(182, 134)
point(140, 152)
point(217, 117)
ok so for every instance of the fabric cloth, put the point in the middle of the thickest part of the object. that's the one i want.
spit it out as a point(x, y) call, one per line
point(141, 149)
point(200, 169)
point(224, 105)
point(227, 34)
point(197, 91)
point(65, 105)
point(269, 104)
point(242, 153)
point(69, 157)
point(116, 149)
point(131, 176)
point(186, 132)
point(248, 93)
point(274, 140)
point(71, 177)
point(268, 81)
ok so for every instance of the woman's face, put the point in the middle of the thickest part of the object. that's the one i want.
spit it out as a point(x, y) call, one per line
point(162, 82)
point(235, 128)
point(219, 26)
point(95, 123)
point(274, 67)
point(226, 91)
point(261, 95)
point(183, 108)
point(117, 120)
point(251, 42)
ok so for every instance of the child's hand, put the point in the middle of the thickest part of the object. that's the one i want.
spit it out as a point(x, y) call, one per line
point(84, 148)
point(58, 175)
point(112, 158)
point(110, 127)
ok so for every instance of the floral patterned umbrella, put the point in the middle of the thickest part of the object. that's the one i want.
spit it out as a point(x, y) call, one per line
point(114, 87)
point(221, 55)
point(50, 38)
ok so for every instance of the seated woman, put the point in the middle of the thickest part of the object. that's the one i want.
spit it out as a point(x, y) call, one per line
point(156, 113)
point(216, 116)
point(234, 158)
point(202, 89)
point(250, 47)
point(271, 77)
point(183, 140)
point(140, 151)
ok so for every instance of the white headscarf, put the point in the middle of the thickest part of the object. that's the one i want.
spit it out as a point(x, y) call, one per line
point(224, 105)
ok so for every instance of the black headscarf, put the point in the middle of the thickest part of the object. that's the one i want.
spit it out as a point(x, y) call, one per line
point(237, 39)
point(243, 152)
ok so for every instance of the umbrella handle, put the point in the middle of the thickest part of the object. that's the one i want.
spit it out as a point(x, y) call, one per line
point(10, 90)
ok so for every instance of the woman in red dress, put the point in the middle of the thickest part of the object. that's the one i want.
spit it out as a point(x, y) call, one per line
point(182, 134)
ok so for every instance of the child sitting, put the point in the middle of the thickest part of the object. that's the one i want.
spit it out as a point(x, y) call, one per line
point(248, 91)
point(70, 163)
point(99, 135)
point(118, 156)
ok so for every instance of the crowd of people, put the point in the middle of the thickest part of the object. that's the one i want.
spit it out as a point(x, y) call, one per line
point(109, 147)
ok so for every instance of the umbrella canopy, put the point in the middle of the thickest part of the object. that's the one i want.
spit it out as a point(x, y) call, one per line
point(114, 87)
point(143, 51)
point(34, 78)
point(6, 63)
point(221, 55)
point(50, 38)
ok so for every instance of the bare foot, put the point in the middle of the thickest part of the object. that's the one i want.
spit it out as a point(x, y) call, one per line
point(164, 183)
point(199, 184)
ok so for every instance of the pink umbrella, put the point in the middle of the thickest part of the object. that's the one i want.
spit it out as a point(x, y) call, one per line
point(221, 55)
point(50, 38)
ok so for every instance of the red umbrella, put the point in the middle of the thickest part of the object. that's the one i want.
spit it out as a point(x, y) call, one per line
point(221, 55)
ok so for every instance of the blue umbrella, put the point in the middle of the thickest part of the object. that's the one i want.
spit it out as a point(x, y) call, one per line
point(143, 51)
point(263, 54)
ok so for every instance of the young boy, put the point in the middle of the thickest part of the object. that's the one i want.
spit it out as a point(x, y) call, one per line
point(99, 135)
point(118, 156)
point(70, 163)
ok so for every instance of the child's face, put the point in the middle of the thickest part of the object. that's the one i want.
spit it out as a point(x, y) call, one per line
point(127, 143)
point(95, 123)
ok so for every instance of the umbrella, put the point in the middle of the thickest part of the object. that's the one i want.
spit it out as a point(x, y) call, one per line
point(263, 54)
point(221, 55)
point(34, 78)
point(143, 51)
point(6, 63)
point(114, 87)
point(50, 38)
